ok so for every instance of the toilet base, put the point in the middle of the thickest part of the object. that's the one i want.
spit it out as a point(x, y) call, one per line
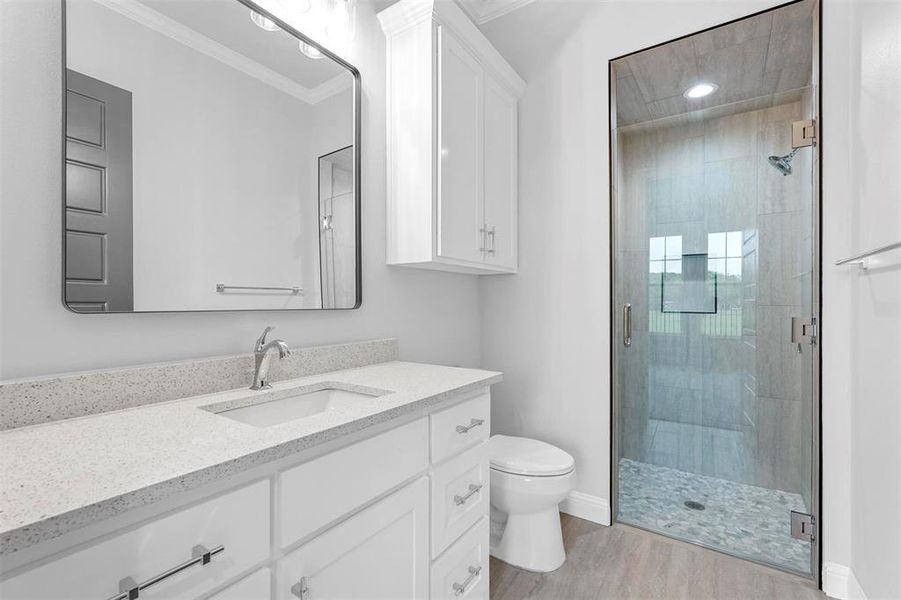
point(533, 542)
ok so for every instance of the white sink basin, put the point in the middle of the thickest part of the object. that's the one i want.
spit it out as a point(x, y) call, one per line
point(286, 406)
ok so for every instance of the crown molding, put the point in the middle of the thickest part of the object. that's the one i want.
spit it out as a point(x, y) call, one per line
point(331, 87)
point(482, 11)
point(408, 13)
point(403, 15)
point(146, 16)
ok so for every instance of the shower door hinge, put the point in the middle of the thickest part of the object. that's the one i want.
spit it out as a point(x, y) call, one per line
point(804, 330)
point(804, 133)
point(804, 526)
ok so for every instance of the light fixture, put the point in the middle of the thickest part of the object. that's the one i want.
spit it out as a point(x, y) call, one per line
point(700, 90)
point(330, 23)
point(310, 50)
point(263, 22)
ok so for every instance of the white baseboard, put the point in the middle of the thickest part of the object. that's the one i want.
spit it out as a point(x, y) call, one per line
point(586, 506)
point(839, 582)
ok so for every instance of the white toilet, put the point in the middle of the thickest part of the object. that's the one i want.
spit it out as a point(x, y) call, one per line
point(528, 480)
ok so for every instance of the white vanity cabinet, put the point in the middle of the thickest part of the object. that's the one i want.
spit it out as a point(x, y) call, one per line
point(398, 513)
point(452, 142)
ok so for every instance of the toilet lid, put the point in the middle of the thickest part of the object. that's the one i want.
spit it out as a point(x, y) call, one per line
point(524, 456)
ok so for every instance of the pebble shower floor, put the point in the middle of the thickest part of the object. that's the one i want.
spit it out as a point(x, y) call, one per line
point(744, 520)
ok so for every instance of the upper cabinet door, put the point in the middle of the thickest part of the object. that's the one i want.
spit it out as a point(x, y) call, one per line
point(451, 142)
point(460, 93)
point(500, 174)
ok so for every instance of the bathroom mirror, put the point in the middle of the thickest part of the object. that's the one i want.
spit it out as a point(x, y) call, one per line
point(210, 160)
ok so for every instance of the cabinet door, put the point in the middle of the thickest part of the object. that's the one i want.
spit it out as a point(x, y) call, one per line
point(459, 151)
point(500, 174)
point(380, 553)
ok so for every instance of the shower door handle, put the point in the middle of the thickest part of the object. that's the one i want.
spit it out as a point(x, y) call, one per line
point(627, 325)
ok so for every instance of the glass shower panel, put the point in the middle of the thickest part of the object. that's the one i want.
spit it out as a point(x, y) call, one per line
point(714, 256)
point(337, 250)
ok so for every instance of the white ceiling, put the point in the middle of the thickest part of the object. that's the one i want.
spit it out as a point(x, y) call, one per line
point(752, 58)
point(531, 34)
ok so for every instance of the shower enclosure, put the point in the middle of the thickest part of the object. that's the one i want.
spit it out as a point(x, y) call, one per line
point(337, 249)
point(715, 221)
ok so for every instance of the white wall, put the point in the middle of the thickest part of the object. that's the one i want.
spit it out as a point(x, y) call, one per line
point(435, 315)
point(548, 327)
point(875, 311)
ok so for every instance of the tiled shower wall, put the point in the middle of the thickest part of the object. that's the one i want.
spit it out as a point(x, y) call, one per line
point(729, 402)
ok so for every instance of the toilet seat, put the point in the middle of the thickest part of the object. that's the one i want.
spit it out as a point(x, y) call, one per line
point(524, 456)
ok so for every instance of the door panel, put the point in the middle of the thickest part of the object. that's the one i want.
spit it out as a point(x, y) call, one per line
point(500, 174)
point(98, 196)
point(380, 553)
point(460, 152)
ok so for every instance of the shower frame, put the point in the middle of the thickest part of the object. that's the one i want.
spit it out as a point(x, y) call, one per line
point(816, 296)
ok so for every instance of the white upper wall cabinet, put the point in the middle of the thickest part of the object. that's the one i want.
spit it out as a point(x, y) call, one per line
point(452, 142)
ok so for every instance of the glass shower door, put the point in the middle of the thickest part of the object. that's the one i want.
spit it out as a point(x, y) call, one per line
point(715, 290)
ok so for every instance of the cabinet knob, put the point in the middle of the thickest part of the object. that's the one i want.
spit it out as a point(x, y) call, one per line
point(473, 489)
point(472, 423)
point(488, 233)
point(129, 589)
point(300, 589)
point(460, 588)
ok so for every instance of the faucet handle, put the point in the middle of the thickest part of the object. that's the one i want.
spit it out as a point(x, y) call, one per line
point(261, 341)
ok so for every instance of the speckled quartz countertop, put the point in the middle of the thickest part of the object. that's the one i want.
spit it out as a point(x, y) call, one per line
point(61, 476)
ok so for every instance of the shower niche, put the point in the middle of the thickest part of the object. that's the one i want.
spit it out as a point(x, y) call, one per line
point(714, 198)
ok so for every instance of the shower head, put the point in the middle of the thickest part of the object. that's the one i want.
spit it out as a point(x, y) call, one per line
point(783, 164)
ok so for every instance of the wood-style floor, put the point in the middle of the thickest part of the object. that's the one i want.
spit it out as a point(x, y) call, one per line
point(622, 562)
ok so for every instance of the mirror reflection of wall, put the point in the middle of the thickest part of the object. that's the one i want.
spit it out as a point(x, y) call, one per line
point(227, 126)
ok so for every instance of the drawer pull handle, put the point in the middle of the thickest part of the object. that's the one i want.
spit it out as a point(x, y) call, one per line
point(460, 588)
point(472, 423)
point(129, 589)
point(473, 489)
point(300, 589)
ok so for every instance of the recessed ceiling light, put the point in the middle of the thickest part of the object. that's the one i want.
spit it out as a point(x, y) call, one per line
point(263, 22)
point(311, 51)
point(700, 90)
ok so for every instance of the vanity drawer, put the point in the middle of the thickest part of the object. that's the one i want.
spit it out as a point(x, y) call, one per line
point(460, 427)
point(462, 571)
point(257, 586)
point(459, 496)
point(239, 521)
point(317, 492)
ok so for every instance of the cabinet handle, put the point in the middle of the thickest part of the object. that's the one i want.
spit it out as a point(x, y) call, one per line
point(472, 423)
point(627, 325)
point(129, 589)
point(484, 244)
point(473, 489)
point(460, 588)
point(300, 589)
point(491, 236)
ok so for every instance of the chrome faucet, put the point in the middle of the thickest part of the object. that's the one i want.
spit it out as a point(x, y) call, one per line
point(261, 359)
